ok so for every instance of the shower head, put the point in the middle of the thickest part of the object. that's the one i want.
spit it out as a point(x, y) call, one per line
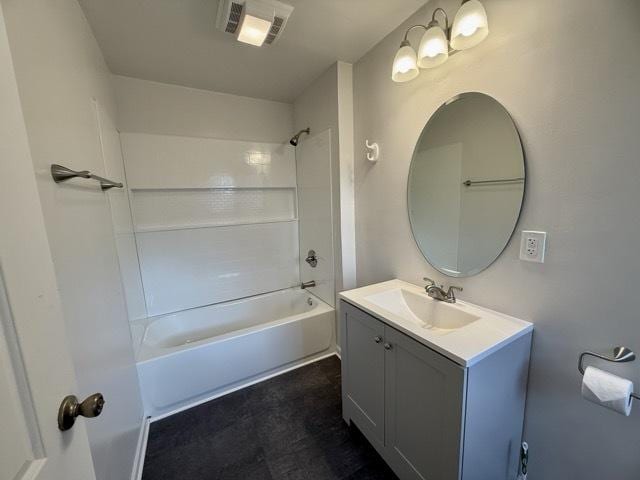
point(296, 137)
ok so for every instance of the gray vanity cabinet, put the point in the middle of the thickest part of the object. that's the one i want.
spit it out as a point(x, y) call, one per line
point(366, 371)
point(429, 417)
point(423, 405)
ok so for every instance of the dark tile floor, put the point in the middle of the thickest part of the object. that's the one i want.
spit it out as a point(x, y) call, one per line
point(289, 427)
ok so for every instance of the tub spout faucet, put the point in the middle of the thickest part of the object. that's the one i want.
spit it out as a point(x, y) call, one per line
point(309, 284)
point(437, 292)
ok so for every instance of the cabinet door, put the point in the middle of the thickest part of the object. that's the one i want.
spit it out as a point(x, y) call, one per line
point(424, 405)
point(364, 372)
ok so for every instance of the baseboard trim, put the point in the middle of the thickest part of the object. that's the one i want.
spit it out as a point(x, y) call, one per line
point(141, 450)
point(240, 387)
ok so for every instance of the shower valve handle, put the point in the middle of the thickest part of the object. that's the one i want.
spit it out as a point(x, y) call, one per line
point(311, 259)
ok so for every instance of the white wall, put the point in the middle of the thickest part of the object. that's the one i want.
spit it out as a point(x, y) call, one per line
point(568, 72)
point(151, 107)
point(60, 70)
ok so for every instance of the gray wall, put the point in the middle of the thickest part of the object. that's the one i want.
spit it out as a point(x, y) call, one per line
point(568, 72)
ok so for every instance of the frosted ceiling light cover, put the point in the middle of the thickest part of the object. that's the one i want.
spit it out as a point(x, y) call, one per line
point(405, 65)
point(253, 30)
point(434, 48)
point(470, 26)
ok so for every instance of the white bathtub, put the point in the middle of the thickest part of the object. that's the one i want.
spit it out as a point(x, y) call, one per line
point(192, 355)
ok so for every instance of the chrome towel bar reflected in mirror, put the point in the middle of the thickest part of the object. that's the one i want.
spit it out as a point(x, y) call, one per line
point(468, 183)
point(62, 174)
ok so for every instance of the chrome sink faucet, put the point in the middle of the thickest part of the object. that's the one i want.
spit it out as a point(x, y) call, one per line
point(437, 293)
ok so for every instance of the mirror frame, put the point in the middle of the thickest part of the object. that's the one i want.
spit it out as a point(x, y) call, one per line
point(524, 188)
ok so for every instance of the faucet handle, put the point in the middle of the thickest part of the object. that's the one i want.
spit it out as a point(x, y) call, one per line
point(431, 282)
point(451, 296)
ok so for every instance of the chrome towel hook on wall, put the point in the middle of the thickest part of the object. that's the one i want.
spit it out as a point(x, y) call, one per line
point(620, 355)
point(60, 173)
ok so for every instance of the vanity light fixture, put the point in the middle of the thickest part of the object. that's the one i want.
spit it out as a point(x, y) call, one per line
point(470, 27)
point(405, 65)
point(434, 46)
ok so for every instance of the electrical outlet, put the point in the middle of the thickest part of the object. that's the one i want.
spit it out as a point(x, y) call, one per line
point(532, 246)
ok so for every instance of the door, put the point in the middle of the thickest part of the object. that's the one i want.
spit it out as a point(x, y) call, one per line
point(424, 398)
point(365, 371)
point(35, 366)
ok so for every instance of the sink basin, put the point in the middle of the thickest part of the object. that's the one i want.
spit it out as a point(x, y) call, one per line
point(438, 317)
point(462, 331)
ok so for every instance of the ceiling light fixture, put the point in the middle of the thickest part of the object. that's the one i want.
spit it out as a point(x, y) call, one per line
point(256, 22)
point(470, 27)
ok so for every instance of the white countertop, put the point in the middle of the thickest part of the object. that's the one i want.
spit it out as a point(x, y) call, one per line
point(466, 345)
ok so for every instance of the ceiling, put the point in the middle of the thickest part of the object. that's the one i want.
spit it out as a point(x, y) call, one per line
point(175, 41)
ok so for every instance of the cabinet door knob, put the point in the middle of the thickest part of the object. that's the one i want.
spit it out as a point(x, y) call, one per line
point(387, 346)
point(377, 339)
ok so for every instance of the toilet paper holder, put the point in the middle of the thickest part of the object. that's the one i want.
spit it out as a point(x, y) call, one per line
point(620, 355)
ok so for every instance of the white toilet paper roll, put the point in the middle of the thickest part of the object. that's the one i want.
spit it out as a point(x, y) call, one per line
point(608, 390)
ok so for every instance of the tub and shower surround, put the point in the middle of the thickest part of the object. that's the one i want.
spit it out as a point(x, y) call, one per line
point(215, 220)
point(216, 232)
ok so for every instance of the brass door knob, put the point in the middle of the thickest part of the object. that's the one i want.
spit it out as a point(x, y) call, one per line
point(70, 409)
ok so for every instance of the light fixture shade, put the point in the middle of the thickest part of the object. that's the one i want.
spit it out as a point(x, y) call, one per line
point(405, 65)
point(470, 26)
point(253, 30)
point(255, 22)
point(434, 48)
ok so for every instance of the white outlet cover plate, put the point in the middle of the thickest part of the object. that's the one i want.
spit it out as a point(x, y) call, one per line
point(540, 238)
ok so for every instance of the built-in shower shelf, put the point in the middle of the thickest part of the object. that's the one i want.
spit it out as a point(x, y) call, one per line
point(171, 209)
point(167, 228)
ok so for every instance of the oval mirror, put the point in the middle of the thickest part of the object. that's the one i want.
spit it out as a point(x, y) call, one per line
point(466, 184)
